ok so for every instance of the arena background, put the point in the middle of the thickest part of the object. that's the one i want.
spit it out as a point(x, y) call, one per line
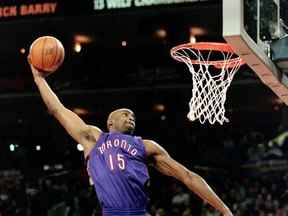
point(119, 57)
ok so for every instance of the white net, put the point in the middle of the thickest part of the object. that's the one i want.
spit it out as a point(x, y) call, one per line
point(211, 80)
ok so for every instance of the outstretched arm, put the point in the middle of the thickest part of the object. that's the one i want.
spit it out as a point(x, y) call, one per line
point(82, 133)
point(168, 166)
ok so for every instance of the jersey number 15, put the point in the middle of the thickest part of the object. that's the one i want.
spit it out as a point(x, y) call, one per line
point(118, 161)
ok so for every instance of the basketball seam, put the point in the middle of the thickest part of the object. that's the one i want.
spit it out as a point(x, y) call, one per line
point(43, 50)
point(56, 52)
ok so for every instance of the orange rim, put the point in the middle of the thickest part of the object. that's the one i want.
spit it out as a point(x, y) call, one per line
point(221, 47)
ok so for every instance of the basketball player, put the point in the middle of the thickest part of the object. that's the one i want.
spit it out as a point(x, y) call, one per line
point(116, 160)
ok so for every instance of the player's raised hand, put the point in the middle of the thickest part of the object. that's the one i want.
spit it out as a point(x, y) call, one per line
point(36, 73)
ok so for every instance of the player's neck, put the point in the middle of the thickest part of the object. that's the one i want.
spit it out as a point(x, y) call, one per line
point(117, 131)
point(112, 130)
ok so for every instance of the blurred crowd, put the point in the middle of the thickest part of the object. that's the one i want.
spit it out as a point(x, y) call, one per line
point(64, 195)
point(254, 183)
point(246, 196)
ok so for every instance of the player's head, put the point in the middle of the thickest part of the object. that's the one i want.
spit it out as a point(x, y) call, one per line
point(121, 120)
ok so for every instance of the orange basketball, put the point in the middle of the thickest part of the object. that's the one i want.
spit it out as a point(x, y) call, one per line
point(46, 53)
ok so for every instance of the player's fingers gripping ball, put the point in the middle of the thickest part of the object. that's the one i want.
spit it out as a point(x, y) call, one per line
point(46, 54)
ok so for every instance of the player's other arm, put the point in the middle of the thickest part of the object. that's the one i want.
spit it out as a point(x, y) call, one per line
point(168, 166)
point(82, 133)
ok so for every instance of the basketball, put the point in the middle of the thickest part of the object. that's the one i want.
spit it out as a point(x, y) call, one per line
point(46, 54)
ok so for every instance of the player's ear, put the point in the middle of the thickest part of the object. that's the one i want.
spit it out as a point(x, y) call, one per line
point(109, 123)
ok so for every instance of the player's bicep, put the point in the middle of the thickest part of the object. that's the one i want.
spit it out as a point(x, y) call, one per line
point(162, 161)
point(168, 166)
point(76, 127)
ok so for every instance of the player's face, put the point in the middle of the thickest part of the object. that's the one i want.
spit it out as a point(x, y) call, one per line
point(124, 121)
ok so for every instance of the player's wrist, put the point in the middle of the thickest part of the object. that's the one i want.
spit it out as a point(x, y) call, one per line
point(38, 79)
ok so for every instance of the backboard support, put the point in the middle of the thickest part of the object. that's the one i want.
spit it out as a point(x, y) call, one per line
point(252, 45)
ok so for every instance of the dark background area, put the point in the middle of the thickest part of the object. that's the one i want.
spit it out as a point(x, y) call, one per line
point(106, 75)
point(141, 76)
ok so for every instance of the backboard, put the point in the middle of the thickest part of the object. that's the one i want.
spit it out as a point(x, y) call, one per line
point(250, 26)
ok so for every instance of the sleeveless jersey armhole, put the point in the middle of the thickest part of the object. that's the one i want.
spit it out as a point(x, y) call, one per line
point(140, 140)
point(95, 146)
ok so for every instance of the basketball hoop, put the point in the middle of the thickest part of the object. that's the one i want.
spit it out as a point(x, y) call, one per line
point(209, 87)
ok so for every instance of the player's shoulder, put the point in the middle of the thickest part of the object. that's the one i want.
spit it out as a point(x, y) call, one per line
point(149, 142)
point(94, 131)
point(152, 147)
point(91, 136)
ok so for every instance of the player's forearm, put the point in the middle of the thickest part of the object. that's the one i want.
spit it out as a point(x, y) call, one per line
point(49, 97)
point(199, 186)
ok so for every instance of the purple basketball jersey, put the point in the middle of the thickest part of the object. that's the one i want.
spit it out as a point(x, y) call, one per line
point(117, 167)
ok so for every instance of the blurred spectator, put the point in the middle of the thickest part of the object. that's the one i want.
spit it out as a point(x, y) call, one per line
point(254, 190)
